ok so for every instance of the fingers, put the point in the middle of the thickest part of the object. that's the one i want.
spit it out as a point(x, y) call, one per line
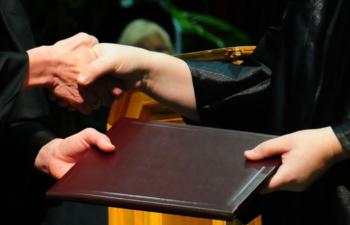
point(59, 155)
point(85, 38)
point(103, 87)
point(80, 38)
point(95, 70)
point(280, 179)
point(267, 149)
point(71, 56)
point(93, 137)
point(92, 40)
point(117, 91)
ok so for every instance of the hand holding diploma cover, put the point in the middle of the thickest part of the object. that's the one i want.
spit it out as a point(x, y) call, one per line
point(171, 168)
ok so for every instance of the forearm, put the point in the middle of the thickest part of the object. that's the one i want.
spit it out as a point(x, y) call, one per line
point(163, 77)
point(169, 81)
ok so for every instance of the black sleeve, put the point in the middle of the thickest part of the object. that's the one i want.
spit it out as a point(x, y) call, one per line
point(342, 131)
point(13, 69)
point(231, 96)
point(28, 128)
point(29, 125)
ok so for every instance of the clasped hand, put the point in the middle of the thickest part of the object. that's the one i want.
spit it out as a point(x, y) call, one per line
point(57, 67)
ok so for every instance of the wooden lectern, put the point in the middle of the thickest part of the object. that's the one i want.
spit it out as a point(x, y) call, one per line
point(140, 106)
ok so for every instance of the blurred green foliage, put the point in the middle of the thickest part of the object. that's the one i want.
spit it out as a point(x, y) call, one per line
point(214, 31)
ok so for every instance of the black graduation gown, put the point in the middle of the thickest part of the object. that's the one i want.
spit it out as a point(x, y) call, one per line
point(297, 79)
point(24, 128)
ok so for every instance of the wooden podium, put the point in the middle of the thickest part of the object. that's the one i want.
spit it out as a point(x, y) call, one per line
point(140, 106)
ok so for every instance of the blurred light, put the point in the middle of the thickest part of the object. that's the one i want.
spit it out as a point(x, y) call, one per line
point(126, 3)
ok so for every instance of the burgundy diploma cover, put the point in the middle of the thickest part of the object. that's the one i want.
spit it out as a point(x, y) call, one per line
point(172, 168)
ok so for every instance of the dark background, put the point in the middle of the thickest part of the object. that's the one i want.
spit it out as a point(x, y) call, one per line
point(57, 19)
point(54, 20)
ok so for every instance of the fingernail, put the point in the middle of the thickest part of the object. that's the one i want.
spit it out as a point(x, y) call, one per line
point(249, 151)
point(110, 145)
point(117, 91)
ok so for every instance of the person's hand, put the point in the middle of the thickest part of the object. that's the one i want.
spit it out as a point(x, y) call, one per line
point(71, 56)
point(127, 63)
point(96, 95)
point(161, 76)
point(58, 66)
point(59, 155)
point(101, 93)
point(305, 156)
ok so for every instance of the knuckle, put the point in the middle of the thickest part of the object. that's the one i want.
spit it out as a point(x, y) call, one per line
point(93, 39)
point(82, 35)
point(261, 148)
point(89, 131)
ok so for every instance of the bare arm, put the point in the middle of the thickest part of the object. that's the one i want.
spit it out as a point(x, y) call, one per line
point(165, 78)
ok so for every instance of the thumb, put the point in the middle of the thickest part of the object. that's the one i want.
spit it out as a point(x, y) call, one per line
point(101, 141)
point(267, 149)
point(95, 70)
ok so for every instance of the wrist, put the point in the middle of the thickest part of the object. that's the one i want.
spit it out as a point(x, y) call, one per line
point(338, 153)
point(39, 75)
point(146, 70)
point(161, 70)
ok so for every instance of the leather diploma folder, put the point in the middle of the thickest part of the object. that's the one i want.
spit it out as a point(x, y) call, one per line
point(171, 168)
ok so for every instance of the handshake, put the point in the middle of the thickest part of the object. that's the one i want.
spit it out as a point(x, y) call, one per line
point(83, 74)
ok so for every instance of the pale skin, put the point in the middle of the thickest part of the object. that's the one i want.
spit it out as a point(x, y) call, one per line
point(147, 71)
point(305, 154)
point(59, 155)
point(57, 67)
